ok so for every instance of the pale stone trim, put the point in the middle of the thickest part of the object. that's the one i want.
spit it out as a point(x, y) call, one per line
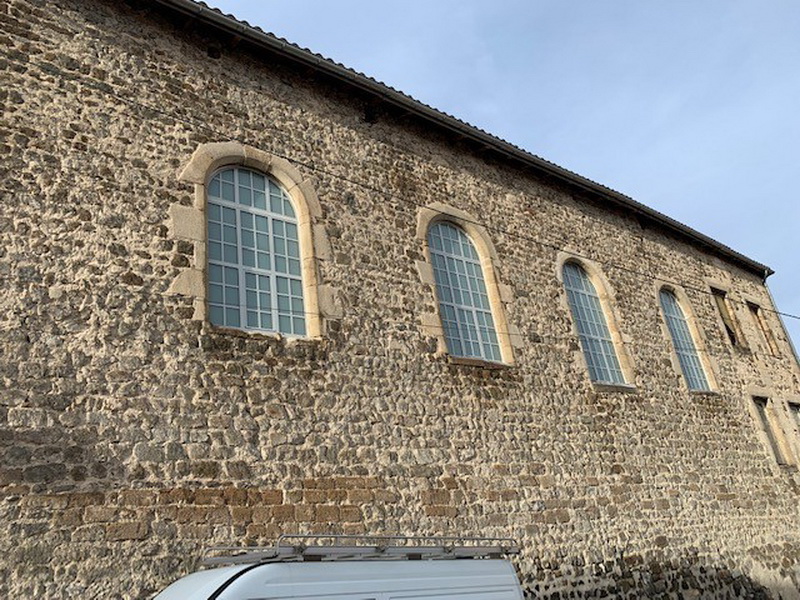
point(609, 305)
point(500, 295)
point(777, 411)
point(793, 427)
point(706, 360)
point(733, 306)
point(762, 346)
point(189, 223)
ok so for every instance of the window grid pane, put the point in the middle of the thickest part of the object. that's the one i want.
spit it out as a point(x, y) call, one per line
point(463, 299)
point(595, 337)
point(253, 254)
point(682, 342)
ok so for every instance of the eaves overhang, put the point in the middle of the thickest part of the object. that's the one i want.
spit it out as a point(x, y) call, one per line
point(293, 53)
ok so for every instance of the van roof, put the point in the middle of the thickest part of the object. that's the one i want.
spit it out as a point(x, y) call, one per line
point(451, 578)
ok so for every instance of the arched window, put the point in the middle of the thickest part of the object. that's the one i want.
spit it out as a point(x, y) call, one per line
point(683, 342)
point(596, 340)
point(463, 300)
point(254, 270)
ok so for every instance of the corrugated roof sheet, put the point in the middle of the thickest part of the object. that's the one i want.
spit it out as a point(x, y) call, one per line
point(258, 36)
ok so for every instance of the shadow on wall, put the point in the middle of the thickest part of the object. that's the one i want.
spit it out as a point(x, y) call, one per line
point(632, 577)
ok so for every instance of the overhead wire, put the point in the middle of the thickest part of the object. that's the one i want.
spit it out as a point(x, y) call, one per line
point(196, 122)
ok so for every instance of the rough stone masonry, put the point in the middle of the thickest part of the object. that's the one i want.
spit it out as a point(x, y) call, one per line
point(134, 434)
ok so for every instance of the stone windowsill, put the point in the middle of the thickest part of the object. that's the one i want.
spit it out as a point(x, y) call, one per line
point(258, 335)
point(701, 393)
point(476, 362)
point(599, 386)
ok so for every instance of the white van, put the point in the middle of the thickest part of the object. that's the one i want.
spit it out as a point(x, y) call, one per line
point(355, 573)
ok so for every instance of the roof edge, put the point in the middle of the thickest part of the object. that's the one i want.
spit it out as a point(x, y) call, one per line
point(295, 53)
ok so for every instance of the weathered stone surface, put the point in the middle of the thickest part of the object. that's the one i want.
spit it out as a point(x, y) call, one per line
point(133, 434)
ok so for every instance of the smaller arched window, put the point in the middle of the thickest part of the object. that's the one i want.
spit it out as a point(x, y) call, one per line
point(590, 320)
point(683, 342)
point(254, 270)
point(464, 306)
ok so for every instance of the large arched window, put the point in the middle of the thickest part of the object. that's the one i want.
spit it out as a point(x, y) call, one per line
point(590, 320)
point(254, 269)
point(683, 342)
point(464, 307)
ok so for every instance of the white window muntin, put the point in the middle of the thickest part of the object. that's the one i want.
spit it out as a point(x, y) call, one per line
point(683, 342)
point(254, 269)
point(595, 337)
point(464, 306)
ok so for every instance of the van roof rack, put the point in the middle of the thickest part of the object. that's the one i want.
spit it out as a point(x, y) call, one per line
point(297, 548)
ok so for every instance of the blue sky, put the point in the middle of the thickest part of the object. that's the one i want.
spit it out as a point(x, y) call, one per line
point(692, 108)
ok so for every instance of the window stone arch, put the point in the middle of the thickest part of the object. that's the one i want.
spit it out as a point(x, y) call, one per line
point(608, 305)
point(189, 224)
point(500, 295)
point(695, 334)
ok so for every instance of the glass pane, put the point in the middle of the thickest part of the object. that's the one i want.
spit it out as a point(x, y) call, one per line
point(232, 317)
point(214, 231)
point(227, 192)
point(216, 315)
point(215, 293)
point(213, 188)
point(683, 342)
point(248, 258)
point(229, 253)
point(229, 234)
point(241, 238)
point(468, 326)
point(260, 200)
point(215, 251)
point(299, 326)
point(595, 337)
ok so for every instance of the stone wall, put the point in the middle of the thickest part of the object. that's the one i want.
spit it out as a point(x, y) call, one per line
point(134, 434)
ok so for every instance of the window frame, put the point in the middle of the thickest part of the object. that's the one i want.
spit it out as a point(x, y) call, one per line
point(486, 338)
point(767, 412)
point(764, 332)
point(605, 301)
point(293, 281)
point(500, 295)
point(188, 223)
point(730, 324)
point(695, 336)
